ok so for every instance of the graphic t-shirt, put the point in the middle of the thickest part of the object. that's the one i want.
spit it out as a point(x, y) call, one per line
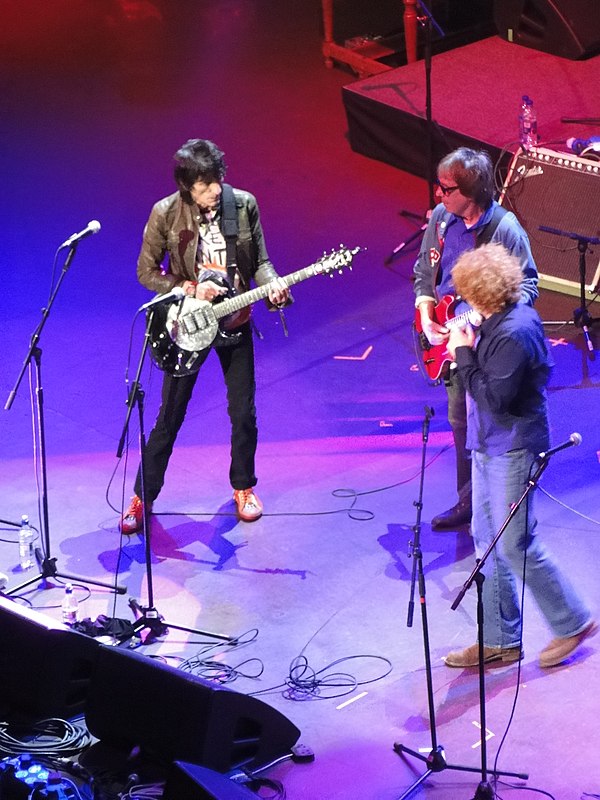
point(211, 263)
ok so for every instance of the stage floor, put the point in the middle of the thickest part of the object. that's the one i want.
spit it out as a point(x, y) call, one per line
point(325, 574)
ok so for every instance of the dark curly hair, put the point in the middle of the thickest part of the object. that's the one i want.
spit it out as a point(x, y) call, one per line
point(198, 159)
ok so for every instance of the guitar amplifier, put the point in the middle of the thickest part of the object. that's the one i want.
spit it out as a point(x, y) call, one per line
point(560, 191)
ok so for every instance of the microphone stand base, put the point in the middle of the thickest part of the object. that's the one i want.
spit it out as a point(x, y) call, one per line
point(48, 571)
point(484, 792)
point(150, 624)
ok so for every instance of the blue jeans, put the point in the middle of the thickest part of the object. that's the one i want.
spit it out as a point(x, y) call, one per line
point(498, 482)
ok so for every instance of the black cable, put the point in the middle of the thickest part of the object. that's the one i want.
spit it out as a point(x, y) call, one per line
point(47, 737)
point(214, 669)
point(361, 515)
point(305, 683)
point(533, 789)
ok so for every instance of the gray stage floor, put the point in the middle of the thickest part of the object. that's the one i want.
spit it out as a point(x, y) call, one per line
point(325, 574)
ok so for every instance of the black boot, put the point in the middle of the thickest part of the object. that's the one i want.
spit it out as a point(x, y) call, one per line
point(456, 517)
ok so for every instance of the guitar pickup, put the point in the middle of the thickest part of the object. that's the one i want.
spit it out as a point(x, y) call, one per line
point(189, 324)
point(196, 321)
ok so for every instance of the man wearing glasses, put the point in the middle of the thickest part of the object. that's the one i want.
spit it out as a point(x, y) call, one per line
point(465, 217)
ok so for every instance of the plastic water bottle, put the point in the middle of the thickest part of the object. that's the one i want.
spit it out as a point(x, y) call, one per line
point(26, 557)
point(527, 124)
point(69, 606)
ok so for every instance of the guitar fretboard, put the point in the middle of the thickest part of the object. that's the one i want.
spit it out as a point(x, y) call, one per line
point(232, 304)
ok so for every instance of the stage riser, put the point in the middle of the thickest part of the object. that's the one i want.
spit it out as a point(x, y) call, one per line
point(388, 134)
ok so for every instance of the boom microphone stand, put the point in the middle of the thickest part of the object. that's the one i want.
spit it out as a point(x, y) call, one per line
point(147, 617)
point(484, 790)
point(436, 758)
point(581, 317)
point(46, 563)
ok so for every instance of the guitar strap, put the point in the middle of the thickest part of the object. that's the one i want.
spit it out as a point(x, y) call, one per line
point(229, 227)
point(484, 236)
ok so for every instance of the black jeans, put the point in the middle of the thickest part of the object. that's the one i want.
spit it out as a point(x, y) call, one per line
point(457, 417)
point(237, 364)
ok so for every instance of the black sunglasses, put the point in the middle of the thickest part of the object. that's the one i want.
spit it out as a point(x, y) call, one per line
point(445, 190)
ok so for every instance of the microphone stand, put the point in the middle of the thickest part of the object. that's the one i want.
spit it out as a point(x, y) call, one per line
point(484, 790)
point(147, 618)
point(436, 758)
point(581, 317)
point(427, 21)
point(47, 564)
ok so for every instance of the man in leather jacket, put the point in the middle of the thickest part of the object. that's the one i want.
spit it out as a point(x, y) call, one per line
point(191, 230)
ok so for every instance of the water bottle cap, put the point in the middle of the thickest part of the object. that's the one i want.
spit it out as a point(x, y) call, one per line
point(68, 588)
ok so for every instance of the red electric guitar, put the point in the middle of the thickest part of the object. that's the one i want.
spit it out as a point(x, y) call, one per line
point(434, 359)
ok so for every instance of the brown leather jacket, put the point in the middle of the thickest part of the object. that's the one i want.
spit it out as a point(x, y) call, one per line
point(173, 229)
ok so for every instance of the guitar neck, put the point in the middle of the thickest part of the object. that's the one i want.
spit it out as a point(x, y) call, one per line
point(239, 301)
point(460, 320)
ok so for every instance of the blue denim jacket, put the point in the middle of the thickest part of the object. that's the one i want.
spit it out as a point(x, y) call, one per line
point(506, 377)
point(433, 258)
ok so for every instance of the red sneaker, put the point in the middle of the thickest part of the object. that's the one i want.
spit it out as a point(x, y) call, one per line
point(132, 520)
point(248, 505)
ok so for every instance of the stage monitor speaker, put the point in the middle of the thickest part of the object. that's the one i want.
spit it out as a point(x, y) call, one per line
point(560, 191)
point(192, 782)
point(568, 28)
point(172, 715)
point(45, 667)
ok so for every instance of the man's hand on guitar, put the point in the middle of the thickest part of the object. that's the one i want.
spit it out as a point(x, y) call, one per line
point(436, 334)
point(205, 290)
point(278, 292)
point(460, 337)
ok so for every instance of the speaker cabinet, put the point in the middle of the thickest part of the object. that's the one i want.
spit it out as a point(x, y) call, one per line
point(45, 667)
point(192, 782)
point(172, 715)
point(559, 191)
point(568, 28)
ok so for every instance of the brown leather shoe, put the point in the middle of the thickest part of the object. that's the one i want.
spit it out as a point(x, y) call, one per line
point(560, 649)
point(455, 517)
point(469, 657)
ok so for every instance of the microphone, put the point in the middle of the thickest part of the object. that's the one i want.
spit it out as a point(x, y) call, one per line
point(92, 227)
point(173, 296)
point(579, 145)
point(429, 413)
point(573, 440)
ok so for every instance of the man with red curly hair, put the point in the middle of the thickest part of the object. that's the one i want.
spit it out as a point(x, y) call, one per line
point(505, 371)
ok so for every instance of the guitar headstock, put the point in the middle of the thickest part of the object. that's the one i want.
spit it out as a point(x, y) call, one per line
point(337, 260)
